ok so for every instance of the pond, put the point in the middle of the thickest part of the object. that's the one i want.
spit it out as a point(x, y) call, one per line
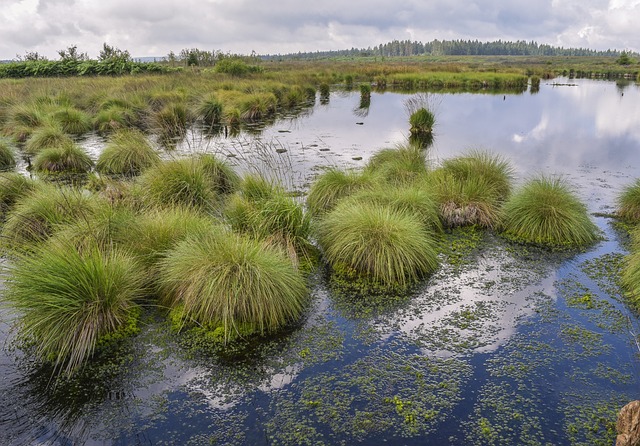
point(508, 346)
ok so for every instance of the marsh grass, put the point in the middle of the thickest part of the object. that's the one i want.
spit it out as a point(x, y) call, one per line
point(415, 199)
point(71, 120)
point(546, 211)
point(46, 137)
point(70, 300)
point(114, 117)
point(198, 181)
point(403, 164)
point(127, 153)
point(492, 169)
point(422, 122)
point(268, 213)
point(7, 155)
point(210, 110)
point(13, 186)
point(333, 185)
point(630, 276)
point(172, 120)
point(628, 203)
point(223, 279)
point(66, 158)
point(377, 243)
point(473, 201)
point(37, 215)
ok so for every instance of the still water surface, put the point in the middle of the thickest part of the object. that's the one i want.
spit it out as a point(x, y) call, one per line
point(512, 347)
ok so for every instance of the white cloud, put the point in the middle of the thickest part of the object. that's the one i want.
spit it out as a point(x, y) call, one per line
point(154, 27)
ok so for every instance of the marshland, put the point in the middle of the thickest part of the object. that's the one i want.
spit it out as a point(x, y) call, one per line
point(329, 252)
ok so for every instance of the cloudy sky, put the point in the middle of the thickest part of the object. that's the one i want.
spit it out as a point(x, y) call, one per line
point(155, 27)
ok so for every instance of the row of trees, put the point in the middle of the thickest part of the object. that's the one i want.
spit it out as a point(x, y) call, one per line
point(457, 47)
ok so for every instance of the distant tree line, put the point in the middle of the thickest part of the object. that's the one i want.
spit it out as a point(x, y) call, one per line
point(437, 47)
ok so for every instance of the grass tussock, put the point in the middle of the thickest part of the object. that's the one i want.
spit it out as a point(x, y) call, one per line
point(198, 182)
point(69, 300)
point(72, 121)
point(127, 153)
point(7, 155)
point(546, 212)
point(377, 242)
point(67, 158)
point(333, 185)
point(13, 186)
point(404, 164)
point(223, 279)
point(46, 137)
point(628, 203)
point(36, 216)
point(466, 202)
point(414, 199)
point(489, 168)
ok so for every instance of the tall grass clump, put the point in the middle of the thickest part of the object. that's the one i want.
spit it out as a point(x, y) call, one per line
point(332, 185)
point(403, 164)
point(415, 199)
point(13, 186)
point(270, 214)
point(72, 121)
point(127, 153)
point(114, 117)
point(70, 300)
point(422, 122)
point(378, 243)
point(469, 202)
point(7, 155)
point(210, 110)
point(66, 158)
point(223, 279)
point(36, 216)
point(46, 137)
point(198, 182)
point(628, 203)
point(492, 169)
point(546, 212)
point(630, 276)
point(172, 120)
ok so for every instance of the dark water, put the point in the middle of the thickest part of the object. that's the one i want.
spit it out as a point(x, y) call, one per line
point(512, 347)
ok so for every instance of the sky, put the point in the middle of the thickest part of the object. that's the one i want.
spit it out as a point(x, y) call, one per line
point(156, 27)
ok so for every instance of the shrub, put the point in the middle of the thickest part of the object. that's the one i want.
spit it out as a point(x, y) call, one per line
point(377, 242)
point(127, 153)
point(628, 203)
point(333, 185)
point(222, 279)
point(70, 300)
point(546, 212)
